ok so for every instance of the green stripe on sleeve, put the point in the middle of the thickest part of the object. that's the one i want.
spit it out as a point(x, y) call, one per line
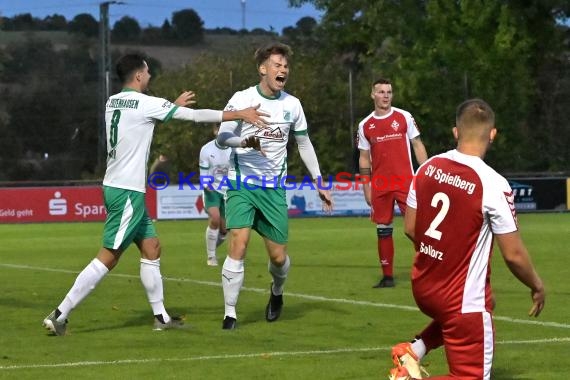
point(170, 114)
point(301, 133)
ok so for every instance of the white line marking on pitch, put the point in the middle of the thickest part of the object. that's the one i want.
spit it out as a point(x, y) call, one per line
point(264, 355)
point(300, 295)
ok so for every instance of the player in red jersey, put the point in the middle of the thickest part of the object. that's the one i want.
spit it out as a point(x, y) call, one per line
point(457, 206)
point(384, 139)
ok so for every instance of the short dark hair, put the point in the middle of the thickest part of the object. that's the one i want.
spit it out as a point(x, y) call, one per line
point(128, 64)
point(266, 51)
point(381, 81)
point(474, 111)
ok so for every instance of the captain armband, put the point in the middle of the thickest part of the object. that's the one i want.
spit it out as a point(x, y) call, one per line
point(364, 171)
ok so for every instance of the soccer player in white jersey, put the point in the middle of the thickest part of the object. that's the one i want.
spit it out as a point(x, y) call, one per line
point(214, 165)
point(130, 117)
point(457, 206)
point(259, 157)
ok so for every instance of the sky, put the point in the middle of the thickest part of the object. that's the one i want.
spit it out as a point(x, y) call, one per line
point(265, 14)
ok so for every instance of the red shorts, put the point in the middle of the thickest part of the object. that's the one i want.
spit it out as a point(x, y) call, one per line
point(468, 340)
point(383, 205)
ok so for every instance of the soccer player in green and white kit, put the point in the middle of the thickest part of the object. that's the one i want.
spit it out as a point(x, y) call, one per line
point(262, 153)
point(130, 117)
point(214, 165)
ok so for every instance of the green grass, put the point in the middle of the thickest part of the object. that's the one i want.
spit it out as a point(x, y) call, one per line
point(334, 325)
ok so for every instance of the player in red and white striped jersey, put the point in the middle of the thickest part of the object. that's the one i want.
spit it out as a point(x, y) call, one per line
point(457, 206)
point(384, 139)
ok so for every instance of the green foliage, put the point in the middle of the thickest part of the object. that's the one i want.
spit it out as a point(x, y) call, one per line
point(187, 26)
point(214, 79)
point(126, 29)
point(84, 24)
point(443, 52)
point(512, 54)
point(55, 22)
point(49, 114)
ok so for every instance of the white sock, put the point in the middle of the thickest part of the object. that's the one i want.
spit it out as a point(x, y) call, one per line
point(233, 273)
point(152, 282)
point(211, 241)
point(279, 275)
point(419, 348)
point(85, 282)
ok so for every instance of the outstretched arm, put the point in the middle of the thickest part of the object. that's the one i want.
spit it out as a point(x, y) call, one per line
point(250, 115)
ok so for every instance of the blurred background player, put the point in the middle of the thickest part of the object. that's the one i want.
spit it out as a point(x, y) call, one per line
point(384, 139)
point(263, 207)
point(130, 117)
point(161, 165)
point(457, 207)
point(214, 163)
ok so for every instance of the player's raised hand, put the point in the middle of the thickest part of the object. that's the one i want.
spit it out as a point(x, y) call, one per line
point(185, 99)
point(253, 116)
point(252, 142)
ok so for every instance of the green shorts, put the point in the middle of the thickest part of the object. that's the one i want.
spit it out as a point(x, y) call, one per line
point(263, 209)
point(127, 219)
point(214, 199)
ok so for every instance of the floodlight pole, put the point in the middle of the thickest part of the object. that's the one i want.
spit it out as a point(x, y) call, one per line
point(242, 14)
point(104, 78)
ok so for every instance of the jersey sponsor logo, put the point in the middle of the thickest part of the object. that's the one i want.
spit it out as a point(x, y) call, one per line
point(395, 125)
point(273, 134)
point(392, 136)
point(167, 104)
point(427, 249)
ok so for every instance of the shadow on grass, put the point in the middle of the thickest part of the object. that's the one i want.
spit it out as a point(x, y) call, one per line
point(138, 318)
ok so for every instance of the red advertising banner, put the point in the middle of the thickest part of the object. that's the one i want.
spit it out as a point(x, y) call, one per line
point(57, 204)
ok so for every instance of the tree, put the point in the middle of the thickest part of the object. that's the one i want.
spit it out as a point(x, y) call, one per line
point(304, 32)
point(444, 51)
point(84, 24)
point(166, 30)
point(25, 22)
point(54, 22)
point(188, 26)
point(51, 99)
point(126, 29)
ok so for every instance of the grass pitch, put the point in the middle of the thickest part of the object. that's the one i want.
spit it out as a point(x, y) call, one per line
point(333, 326)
